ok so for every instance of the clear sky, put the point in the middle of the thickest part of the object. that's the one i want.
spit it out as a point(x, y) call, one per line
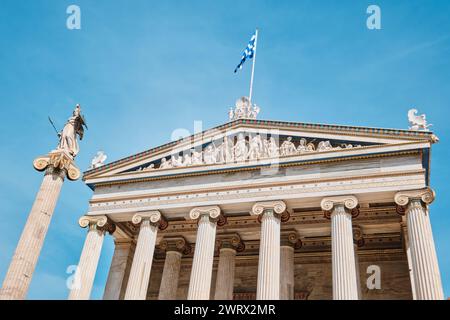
point(141, 69)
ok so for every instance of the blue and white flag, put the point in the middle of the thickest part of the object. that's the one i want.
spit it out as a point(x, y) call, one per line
point(249, 52)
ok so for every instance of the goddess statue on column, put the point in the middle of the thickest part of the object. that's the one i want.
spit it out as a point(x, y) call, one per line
point(68, 136)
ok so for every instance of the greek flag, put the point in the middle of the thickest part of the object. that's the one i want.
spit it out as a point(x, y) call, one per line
point(248, 52)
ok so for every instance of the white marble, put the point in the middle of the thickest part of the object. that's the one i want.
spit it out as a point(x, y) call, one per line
point(143, 257)
point(87, 266)
point(170, 276)
point(201, 273)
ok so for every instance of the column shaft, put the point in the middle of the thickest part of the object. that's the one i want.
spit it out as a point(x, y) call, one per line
point(116, 276)
point(20, 272)
point(287, 273)
point(200, 282)
point(343, 256)
point(87, 267)
point(225, 274)
point(171, 273)
point(268, 287)
point(427, 278)
point(142, 262)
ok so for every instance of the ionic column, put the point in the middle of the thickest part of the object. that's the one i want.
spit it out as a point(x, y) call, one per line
point(57, 166)
point(358, 242)
point(228, 245)
point(427, 278)
point(116, 282)
point(289, 242)
point(87, 267)
point(143, 256)
point(201, 273)
point(405, 237)
point(340, 210)
point(268, 287)
point(175, 248)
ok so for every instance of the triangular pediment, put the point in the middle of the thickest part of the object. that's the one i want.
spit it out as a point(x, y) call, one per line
point(258, 142)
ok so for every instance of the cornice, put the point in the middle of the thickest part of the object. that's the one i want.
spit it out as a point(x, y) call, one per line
point(270, 125)
point(257, 167)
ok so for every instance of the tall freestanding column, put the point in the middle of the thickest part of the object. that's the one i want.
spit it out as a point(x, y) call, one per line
point(143, 256)
point(228, 245)
point(268, 286)
point(427, 278)
point(175, 248)
point(341, 209)
point(120, 265)
point(57, 166)
point(87, 267)
point(201, 273)
point(289, 242)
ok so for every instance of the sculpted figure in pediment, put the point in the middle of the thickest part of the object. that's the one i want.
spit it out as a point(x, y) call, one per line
point(272, 148)
point(302, 148)
point(209, 155)
point(197, 157)
point(255, 149)
point(240, 149)
point(165, 164)
point(287, 147)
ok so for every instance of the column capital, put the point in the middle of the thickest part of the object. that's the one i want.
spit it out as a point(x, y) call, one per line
point(277, 207)
point(358, 236)
point(178, 244)
point(155, 217)
point(230, 241)
point(403, 198)
point(290, 238)
point(101, 223)
point(348, 202)
point(212, 211)
point(59, 160)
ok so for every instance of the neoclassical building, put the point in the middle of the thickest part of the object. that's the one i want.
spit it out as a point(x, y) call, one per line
point(256, 209)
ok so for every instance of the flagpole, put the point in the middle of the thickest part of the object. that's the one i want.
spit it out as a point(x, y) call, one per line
point(253, 67)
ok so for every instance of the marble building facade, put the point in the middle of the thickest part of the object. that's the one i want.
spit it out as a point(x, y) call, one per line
point(256, 209)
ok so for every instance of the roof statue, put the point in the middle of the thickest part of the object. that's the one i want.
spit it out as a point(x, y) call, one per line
point(68, 136)
point(98, 160)
point(243, 109)
point(417, 122)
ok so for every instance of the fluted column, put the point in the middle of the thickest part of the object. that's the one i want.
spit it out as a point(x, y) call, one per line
point(201, 273)
point(87, 267)
point(340, 210)
point(143, 256)
point(408, 256)
point(21, 269)
point(116, 282)
point(175, 248)
point(228, 245)
point(427, 278)
point(289, 242)
point(268, 286)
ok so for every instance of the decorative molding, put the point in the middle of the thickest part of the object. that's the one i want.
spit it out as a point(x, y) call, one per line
point(58, 160)
point(178, 244)
point(253, 167)
point(403, 198)
point(154, 217)
point(349, 202)
point(264, 124)
point(277, 206)
point(230, 241)
point(212, 211)
point(101, 223)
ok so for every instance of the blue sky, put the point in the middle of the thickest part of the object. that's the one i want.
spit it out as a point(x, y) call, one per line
point(141, 69)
